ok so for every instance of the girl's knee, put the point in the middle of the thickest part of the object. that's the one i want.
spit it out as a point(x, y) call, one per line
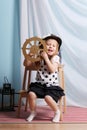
point(32, 95)
point(47, 98)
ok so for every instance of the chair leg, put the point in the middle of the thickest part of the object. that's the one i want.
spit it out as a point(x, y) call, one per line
point(19, 106)
point(61, 116)
point(26, 105)
point(61, 110)
point(64, 101)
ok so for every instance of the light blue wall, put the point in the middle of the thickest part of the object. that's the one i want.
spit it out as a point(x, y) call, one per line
point(10, 42)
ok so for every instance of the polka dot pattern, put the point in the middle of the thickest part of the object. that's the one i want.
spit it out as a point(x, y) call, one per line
point(46, 77)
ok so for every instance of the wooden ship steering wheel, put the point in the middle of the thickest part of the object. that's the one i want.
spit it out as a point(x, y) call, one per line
point(32, 48)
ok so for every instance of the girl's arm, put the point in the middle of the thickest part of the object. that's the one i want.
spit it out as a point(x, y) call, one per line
point(52, 66)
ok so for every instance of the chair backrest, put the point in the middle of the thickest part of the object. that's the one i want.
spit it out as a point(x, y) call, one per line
point(29, 69)
point(27, 76)
point(61, 76)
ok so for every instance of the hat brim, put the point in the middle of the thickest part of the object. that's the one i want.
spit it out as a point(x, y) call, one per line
point(58, 39)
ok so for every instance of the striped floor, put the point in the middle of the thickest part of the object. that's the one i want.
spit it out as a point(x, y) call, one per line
point(44, 115)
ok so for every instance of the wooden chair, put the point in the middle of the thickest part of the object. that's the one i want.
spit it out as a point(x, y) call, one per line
point(26, 81)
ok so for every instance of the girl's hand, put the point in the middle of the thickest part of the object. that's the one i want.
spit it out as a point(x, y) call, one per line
point(27, 62)
point(44, 55)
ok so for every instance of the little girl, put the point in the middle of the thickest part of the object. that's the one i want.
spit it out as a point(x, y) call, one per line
point(47, 85)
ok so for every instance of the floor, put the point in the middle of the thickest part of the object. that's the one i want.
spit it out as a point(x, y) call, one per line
point(50, 126)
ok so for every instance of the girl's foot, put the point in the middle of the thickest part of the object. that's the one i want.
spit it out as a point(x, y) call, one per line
point(56, 116)
point(31, 116)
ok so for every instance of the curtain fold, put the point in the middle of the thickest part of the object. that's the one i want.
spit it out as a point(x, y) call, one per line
point(68, 19)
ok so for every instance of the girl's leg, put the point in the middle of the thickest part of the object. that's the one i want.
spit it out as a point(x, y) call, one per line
point(32, 101)
point(50, 101)
point(32, 104)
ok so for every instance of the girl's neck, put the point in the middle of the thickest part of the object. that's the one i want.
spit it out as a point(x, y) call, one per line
point(51, 56)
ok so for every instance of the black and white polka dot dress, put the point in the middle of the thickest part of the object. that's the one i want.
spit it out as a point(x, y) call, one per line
point(45, 77)
point(47, 83)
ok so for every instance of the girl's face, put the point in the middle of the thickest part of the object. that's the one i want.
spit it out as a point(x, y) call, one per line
point(52, 47)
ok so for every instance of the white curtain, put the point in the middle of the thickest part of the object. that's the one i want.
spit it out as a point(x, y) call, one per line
point(68, 19)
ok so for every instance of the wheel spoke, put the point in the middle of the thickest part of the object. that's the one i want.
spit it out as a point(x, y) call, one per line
point(27, 48)
point(35, 42)
point(30, 44)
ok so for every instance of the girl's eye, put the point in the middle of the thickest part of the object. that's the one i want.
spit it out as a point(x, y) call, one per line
point(48, 45)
